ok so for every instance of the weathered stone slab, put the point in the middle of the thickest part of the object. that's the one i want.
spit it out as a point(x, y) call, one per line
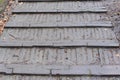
point(100, 24)
point(55, 8)
point(81, 43)
point(59, 20)
point(102, 43)
point(10, 43)
point(85, 24)
point(28, 69)
point(89, 70)
point(101, 70)
point(3, 69)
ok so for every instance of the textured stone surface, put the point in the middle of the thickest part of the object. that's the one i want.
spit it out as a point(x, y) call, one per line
point(61, 56)
point(105, 70)
point(60, 29)
point(65, 7)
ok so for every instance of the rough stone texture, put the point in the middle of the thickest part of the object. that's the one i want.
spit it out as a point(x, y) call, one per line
point(57, 34)
point(61, 56)
point(74, 56)
point(60, 19)
point(65, 7)
point(29, 77)
point(102, 70)
point(68, 43)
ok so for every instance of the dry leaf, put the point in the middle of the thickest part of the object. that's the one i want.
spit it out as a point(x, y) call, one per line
point(20, 3)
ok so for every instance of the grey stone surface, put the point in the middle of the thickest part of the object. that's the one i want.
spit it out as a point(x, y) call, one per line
point(81, 43)
point(101, 70)
point(59, 20)
point(28, 69)
point(2, 68)
point(10, 44)
point(64, 7)
point(57, 34)
point(89, 70)
point(63, 42)
point(60, 56)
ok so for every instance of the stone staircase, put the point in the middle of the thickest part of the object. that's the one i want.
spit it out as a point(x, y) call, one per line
point(59, 40)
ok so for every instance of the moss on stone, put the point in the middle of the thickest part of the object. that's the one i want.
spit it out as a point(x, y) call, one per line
point(3, 4)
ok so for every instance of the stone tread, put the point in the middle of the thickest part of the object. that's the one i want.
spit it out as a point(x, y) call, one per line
point(58, 37)
point(59, 20)
point(60, 56)
point(57, 34)
point(64, 7)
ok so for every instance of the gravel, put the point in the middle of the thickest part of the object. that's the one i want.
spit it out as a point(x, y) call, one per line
point(114, 15)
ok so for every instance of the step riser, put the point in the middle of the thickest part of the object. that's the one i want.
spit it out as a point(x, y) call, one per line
point(33, 77)
point(54, 12)
point(85, 43)
point(51, 0)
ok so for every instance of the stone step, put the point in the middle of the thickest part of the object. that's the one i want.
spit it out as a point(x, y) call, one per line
point(60, 7)
point(101, 70)
point(58, 34)
point(60, 56)
point(59, 20)
point(59, 43)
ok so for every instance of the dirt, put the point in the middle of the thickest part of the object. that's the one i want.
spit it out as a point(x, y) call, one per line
point(5, 8)
point(3, 4)
point(114, 15)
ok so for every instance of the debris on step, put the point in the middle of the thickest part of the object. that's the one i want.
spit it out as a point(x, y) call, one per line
point(4, 16)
